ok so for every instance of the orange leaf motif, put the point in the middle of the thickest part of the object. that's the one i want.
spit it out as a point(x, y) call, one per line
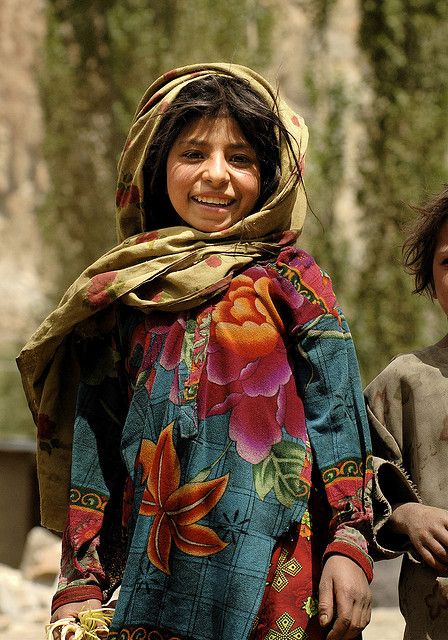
point(176, 509)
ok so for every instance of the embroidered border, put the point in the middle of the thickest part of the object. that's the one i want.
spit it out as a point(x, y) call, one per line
point(141, 633)
point(81, 498)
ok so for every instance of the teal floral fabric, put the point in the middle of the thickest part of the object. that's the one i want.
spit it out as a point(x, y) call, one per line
point(220, 414)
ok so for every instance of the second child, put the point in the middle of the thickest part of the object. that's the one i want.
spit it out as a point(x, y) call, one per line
point(408, 412)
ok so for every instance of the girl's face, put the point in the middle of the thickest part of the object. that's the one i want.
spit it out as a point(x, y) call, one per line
point(213, 174)
point(440, 267)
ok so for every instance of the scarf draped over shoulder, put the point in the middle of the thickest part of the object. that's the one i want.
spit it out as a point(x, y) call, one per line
point(172, 269)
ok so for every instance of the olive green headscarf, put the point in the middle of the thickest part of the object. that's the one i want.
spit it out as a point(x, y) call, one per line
point(171, 269)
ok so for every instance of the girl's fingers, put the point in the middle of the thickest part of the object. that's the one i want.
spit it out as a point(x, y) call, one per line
point(351, 620)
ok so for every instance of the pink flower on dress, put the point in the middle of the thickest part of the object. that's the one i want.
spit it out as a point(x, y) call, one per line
point(167, 333)
point(248, 370)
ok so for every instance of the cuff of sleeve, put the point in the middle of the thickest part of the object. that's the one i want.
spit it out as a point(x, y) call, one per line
point(391, 486)
point(76, 594)
point(343, 548)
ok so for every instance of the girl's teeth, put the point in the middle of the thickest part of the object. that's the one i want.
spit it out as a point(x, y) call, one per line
point(219, 201)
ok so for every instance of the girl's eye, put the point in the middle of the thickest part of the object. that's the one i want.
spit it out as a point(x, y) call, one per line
point(240, 158)
point(192, 155)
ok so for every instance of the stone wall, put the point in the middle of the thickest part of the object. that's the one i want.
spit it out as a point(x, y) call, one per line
point(23, 177)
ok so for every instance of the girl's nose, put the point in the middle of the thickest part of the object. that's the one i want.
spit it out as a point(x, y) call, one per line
point(215, 169)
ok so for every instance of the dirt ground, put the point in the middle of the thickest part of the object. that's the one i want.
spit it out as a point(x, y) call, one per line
point(387, 622)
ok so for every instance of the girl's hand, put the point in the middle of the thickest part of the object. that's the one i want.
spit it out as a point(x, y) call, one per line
point(344, 598)
point(427, 529)
point(72, 610)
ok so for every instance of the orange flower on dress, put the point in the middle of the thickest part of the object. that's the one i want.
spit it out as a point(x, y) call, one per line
point(176, 509)
point(247, 321)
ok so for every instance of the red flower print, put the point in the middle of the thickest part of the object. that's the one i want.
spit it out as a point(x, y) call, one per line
point(213, 261)
point(163, 106)
point(249, 372)
point(127, 194)
point(287, 237)
point(176, 509)
point(156, 297)
point(249, 375)
point(100, 291)
point(152, 100)
point(170, 75)
point(148, 236)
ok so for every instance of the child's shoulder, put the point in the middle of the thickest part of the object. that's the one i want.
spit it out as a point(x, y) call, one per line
point(297, 283)
point(406, 363)
point(411, 367)
point(297, 258)
point(302, 271)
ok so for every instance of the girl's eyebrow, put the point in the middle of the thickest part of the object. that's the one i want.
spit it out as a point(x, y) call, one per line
point(197, 142)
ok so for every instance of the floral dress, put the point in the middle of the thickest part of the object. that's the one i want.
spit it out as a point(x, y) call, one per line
point(219, 456)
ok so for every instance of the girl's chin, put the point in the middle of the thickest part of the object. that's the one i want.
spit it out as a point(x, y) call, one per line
point(220, 223)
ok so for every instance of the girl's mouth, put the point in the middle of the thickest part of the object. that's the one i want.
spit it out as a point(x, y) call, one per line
point(213, 201)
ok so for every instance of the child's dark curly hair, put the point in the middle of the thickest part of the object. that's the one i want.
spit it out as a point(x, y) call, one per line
point(420, 245)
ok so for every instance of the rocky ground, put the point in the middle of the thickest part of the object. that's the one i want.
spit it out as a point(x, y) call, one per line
point(387, 622)
point(25, 593)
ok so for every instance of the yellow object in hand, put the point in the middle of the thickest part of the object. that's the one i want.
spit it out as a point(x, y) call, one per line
point(86, 627)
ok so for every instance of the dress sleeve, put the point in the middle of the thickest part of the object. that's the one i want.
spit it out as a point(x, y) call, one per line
point(94, 536)
point(329, 383)
point(392, 484)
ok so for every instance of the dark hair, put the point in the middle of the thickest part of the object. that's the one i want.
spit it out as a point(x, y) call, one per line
point(211, 96)
point(420, 245)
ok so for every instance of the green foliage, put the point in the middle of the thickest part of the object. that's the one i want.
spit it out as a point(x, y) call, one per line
point(403, 161)
point(80, 130)
point(15, 419)
point(319, 12)
point(332, 107)
point(324, 177)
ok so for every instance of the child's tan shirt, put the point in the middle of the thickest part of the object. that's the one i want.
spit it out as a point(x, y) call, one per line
point(408, 413)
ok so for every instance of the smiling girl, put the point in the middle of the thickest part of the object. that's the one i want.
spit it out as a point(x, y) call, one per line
point(198, 389)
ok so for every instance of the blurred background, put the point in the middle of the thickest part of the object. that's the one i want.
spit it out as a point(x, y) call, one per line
point(369, 76)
